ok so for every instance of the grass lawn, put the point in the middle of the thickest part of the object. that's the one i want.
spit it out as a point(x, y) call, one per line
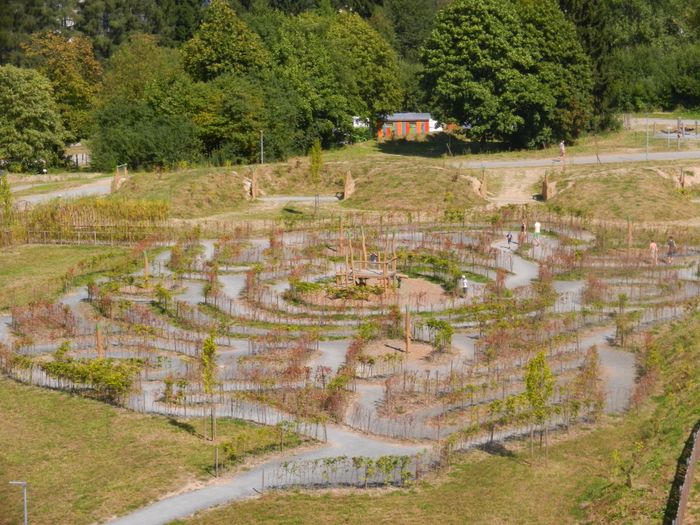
point(86, 461)
point(641, 194)
point(580, 482)
point(30, 273)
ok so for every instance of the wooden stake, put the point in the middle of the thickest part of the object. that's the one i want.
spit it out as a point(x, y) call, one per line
point(408, 331)
point(364, 249)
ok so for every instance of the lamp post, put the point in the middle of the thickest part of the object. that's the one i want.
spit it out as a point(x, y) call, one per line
point(262, 148)
point(23, 484)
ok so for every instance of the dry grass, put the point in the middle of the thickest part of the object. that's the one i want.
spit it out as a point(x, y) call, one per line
point(191, 193)
point(640, 194)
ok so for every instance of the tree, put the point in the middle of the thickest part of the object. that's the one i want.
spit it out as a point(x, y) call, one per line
point(20, 18)
point(539, 387)
point(367, 66)
point(110, 22)
point(31, 133)
point(510, 71)
point(412, 21)
point(144, 113)
point(230, 119)
point(223, 44)
point(74, 72)
point(209, 376)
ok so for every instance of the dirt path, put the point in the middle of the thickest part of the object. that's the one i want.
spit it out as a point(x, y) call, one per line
point(517, 188)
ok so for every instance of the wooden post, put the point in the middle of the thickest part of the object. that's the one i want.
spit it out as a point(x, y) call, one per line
point(408, 331)
point(629, 238)
point(352, 261)
point(363, 265)
point(341, 240)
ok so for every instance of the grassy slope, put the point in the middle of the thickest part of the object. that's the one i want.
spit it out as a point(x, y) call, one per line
point(191, 193)
point(86, 461)
point(401, 174)
point(386, 179)
point(578, 484)
point(637, 193)
point(29, 273)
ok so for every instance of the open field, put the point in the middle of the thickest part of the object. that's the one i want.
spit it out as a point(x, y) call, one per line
point(31, 273)
point(581, 481)
point(86, 461)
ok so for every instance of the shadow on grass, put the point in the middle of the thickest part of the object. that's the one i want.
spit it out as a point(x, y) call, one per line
point(187, 427)
point(497, 449)
point(439, 144)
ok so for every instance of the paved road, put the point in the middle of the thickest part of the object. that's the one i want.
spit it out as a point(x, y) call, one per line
point(341, 442)
point(617, 158)
point(98, 187)
point(283, 199)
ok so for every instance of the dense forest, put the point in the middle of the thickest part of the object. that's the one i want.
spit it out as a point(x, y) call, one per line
point(165, 82)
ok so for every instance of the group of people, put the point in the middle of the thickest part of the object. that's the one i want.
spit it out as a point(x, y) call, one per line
point(522, 238)
point(672, 250)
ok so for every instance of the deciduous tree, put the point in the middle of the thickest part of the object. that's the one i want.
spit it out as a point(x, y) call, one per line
point(31, 132)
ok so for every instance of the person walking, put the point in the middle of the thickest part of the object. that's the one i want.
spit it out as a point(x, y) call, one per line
point(562, 151)
point(654, 252)
point(672, 248)
point(465, 285)
point(510, 238)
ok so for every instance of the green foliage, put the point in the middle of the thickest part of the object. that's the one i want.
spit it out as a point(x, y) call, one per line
point(109, 377)
point(230, 119)
point(355, 293)
point(31, 132)
point(369, 330)
point(367, 66)
point(539, 387)
point(441, 333)
point(74, 73)
point(209, 366)
point(223, 43)
point(144, 117)
point(61, 351)
point(511, 71)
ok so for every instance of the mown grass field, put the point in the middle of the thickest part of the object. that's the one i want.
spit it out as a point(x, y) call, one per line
point(580, 482)
point(85, 461)
point(31, 273)
point(637, 193)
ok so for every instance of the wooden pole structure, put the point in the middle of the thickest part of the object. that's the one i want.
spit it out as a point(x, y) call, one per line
point(341, 238)
point(629, 238)
point(363, 266)
point(347, 269)
point(408, 330)
point(352, 261)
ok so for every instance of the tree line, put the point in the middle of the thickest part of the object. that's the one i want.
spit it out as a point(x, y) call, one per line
point(166, 82)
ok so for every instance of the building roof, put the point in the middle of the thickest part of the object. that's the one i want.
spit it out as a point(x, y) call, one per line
point(403, 117)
